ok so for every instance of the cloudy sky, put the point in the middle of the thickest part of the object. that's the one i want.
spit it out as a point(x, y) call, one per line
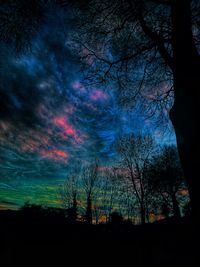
point(49, 118)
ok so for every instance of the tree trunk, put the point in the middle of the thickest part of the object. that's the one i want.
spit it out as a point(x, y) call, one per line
point(184, 114)
point(143, 213)
point(75, 206)
point(185, 121)
point(89, 210)
point(176, 209)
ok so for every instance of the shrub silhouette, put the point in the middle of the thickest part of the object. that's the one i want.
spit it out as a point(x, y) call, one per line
point(116, 218)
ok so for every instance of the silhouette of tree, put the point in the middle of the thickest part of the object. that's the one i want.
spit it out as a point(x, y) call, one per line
point(101, 197)
point(150, 49)
point(165, 177)
point(69, 194)
point(111, 193)
point(120, 195)
point(89, 180)
point(134, 152)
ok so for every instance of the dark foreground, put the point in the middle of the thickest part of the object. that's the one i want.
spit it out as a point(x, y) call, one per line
point(33, 240)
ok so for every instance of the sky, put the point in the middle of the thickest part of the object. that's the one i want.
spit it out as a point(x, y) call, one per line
point(49, 118)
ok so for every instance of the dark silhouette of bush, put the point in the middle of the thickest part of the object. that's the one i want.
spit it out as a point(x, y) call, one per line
point(187, 209)
point(116, 218)
point(71, 215)
point(33, 213)
point(165, 210)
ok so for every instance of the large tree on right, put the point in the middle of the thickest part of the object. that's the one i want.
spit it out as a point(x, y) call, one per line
point(186, 81)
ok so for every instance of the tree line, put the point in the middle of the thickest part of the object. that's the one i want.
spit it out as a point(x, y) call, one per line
point(143, 183)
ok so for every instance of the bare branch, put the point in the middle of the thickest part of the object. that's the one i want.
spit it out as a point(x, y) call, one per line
point(158, 40)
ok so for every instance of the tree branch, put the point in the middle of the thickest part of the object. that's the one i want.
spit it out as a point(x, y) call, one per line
point(158, 40)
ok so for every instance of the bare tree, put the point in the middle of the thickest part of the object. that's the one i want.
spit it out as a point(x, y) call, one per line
point(99, 199)
point(69, 194)
point(112, 193)
point(134, 152)
point(105, 194)
point(89, 180)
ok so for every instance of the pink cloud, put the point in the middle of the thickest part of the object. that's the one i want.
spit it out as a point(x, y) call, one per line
point(44, 112)
point(89, 59)
point(30, 146)
point(69, 109)
point(67, 128)
point(98, 95)
point(33, 140)
point(79, 87)
point(91, 106)
point(54, 154)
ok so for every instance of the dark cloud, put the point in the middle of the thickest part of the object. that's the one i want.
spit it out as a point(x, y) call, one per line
point(46, 113)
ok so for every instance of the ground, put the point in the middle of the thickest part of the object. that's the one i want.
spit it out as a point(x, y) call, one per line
point(30, 239)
